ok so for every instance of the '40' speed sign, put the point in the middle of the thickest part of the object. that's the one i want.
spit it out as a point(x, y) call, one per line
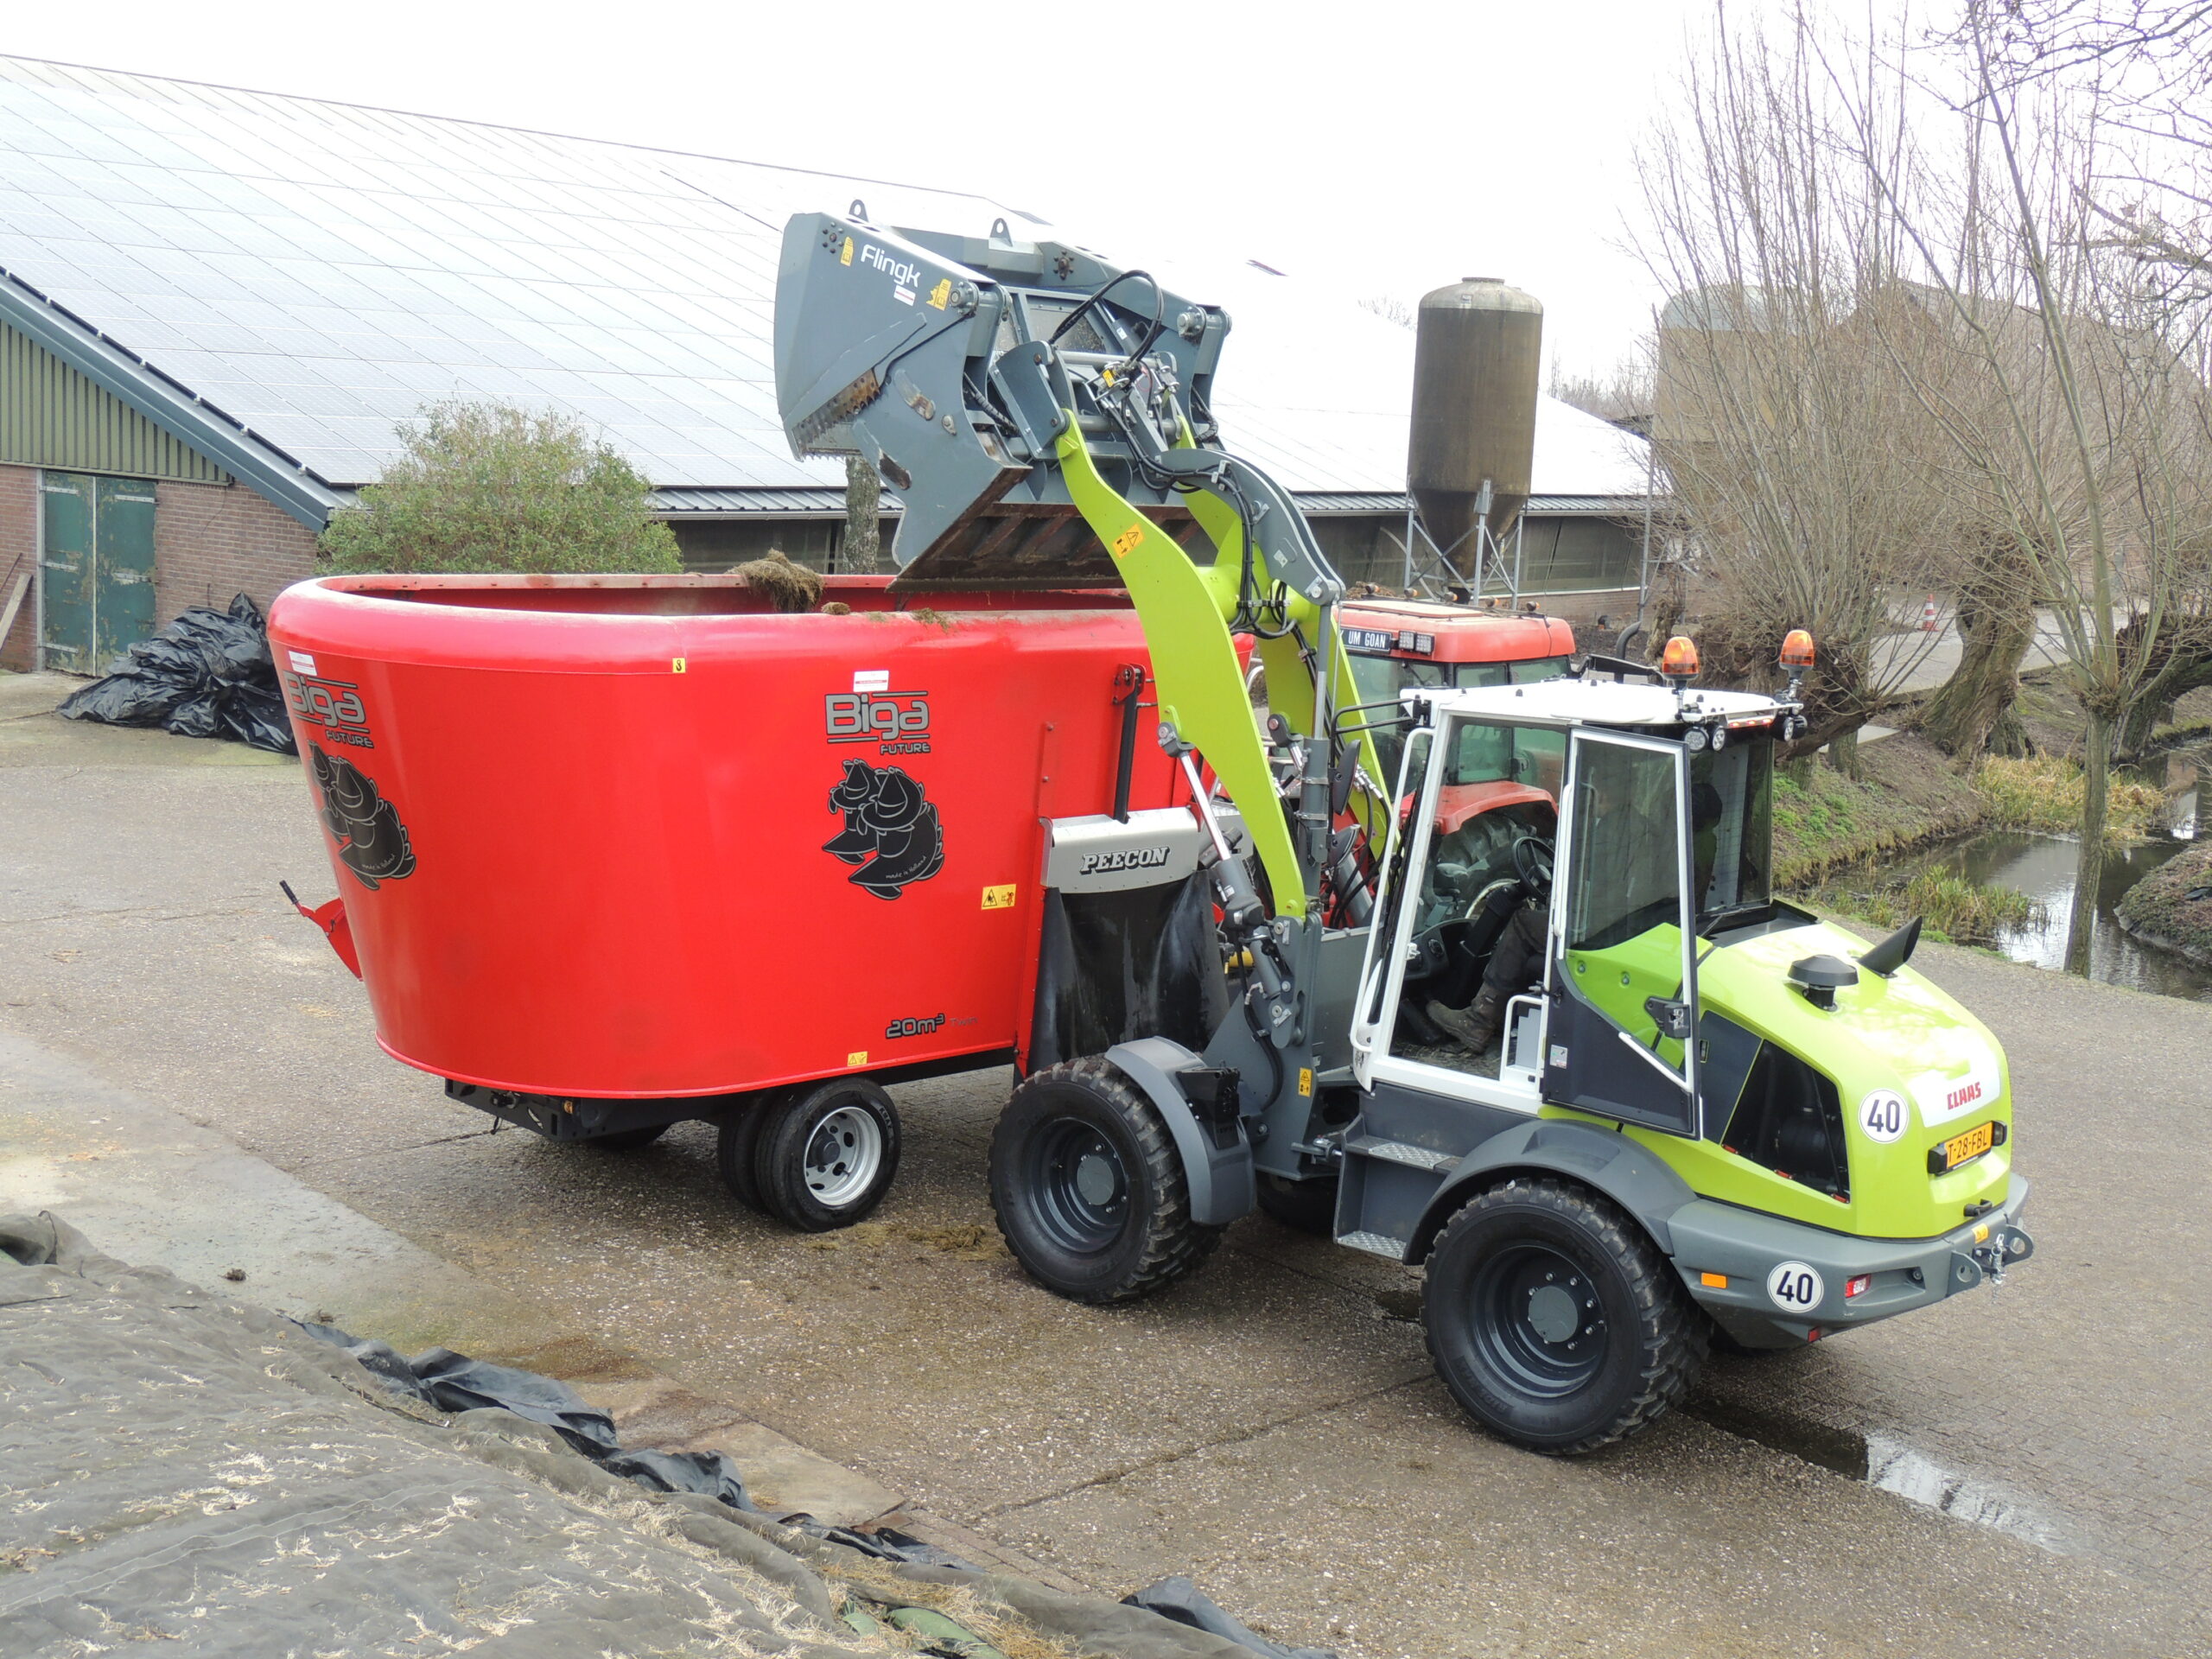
point(1796, 1287)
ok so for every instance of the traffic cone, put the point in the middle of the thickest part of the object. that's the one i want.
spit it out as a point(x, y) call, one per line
point(1928, 615)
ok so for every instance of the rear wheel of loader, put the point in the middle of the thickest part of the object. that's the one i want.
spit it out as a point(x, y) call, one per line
point(1554, 1321)
point(824, 1156)
point(1089, 1189)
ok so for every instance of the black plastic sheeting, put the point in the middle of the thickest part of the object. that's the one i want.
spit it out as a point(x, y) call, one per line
point(208, 674)
point(184, 1468)
point(455, 1382)
point(1184, 1602)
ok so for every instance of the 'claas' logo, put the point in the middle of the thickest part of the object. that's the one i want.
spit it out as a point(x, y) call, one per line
point(1965, 1097)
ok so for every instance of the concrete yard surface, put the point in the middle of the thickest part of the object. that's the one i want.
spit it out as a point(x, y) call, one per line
point(1271, 1426)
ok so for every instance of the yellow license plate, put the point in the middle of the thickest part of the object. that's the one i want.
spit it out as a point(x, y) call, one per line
point(1972, 1144)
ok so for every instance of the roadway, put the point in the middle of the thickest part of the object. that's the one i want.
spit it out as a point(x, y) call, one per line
point(1271, 1426)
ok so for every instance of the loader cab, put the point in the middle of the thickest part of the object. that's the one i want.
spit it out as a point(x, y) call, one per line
point(1586, 836)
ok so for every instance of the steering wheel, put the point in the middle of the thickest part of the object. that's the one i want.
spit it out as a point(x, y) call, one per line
point(1481, 900)
point(1532, 862)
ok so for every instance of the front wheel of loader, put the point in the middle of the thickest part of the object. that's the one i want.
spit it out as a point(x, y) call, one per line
point(1089, 1190)
point(1554, 1321)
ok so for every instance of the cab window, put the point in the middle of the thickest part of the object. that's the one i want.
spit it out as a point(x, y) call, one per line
point(1513, 754)
point(1380, 680)
point(1540, 667)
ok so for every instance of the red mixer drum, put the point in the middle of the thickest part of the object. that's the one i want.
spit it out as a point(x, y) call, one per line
point(644, 836)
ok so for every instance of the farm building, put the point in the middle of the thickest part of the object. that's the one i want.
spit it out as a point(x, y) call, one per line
point(216, 308)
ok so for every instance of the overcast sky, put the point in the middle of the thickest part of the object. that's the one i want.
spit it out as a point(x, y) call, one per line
point(1383, 149)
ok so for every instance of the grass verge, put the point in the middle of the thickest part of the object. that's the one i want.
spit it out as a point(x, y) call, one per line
point(2160, 910)
point(2044, 793)
point(1826, 821)
point(1951, 908)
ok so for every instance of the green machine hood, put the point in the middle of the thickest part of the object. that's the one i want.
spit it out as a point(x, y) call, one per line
point(1911, 1070)
point(1898, 1037)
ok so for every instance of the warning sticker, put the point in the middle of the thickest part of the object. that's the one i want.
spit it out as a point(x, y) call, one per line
point(998, 898)
point(1126, 541)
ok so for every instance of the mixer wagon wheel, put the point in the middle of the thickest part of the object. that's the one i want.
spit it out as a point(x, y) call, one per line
point(1089, 1189)
point(824, 1156)
point(735, 1146)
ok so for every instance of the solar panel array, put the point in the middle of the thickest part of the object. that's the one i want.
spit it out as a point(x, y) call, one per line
point(320, 271)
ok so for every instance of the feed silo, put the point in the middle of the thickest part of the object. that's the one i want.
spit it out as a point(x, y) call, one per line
point(1476, 348)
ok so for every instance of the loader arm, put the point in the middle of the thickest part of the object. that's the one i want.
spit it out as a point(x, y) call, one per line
point(1043, 418)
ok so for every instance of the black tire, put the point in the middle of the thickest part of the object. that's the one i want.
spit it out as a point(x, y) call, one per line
point(1089, 1189)
point(824, 1156)
point(1555, 1321)
point(1308, 1207)
point(734, 1148)
point(628, 1140)
point(1724, 1344)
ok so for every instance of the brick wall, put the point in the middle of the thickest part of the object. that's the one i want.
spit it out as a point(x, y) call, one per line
point(212, 541)
point(19, 558)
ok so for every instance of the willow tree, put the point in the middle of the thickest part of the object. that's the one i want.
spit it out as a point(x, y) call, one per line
point(1801, 462)
point(2084, 437)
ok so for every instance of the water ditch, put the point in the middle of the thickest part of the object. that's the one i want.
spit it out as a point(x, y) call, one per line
point(2043, 868)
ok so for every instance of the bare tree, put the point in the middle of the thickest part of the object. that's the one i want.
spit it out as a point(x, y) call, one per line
point(1390, 308)
point(1799, 456)
point(2083, 425)
point(863, 548)
point(1624, 395)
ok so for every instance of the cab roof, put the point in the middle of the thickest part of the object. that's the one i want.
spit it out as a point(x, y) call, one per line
point(1567, 701)
point(1457, 633)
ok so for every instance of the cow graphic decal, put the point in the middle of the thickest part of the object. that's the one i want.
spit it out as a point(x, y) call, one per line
point(372, 841)
point(891, 831)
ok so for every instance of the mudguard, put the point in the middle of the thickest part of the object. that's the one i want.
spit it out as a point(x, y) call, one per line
point(1222, 1185)
point(1602, 1159)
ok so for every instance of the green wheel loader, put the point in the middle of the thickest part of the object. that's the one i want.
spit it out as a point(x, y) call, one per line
point(1705, 1113)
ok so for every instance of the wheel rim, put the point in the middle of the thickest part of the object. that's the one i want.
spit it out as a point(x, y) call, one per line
point(1081, 1185)
point(842, 1155)
point(1539, 1324)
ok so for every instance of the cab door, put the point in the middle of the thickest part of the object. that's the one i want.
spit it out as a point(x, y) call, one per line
point(1623, 939)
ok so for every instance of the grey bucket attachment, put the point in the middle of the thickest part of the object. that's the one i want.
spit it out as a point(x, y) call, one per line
point(950, 363)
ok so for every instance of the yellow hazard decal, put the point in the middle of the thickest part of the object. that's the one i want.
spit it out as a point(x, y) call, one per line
point(845, 254)
point(1305, 1079)
point(998, 898)
point(941, 293)
point(676, 665)
point(1125, 541)
point(860, 1058)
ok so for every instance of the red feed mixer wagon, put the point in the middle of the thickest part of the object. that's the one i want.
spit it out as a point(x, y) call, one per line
point(617, 852)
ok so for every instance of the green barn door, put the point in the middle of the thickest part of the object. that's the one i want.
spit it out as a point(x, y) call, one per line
point(123, 522)
point(66, 593)
point(98, 565)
